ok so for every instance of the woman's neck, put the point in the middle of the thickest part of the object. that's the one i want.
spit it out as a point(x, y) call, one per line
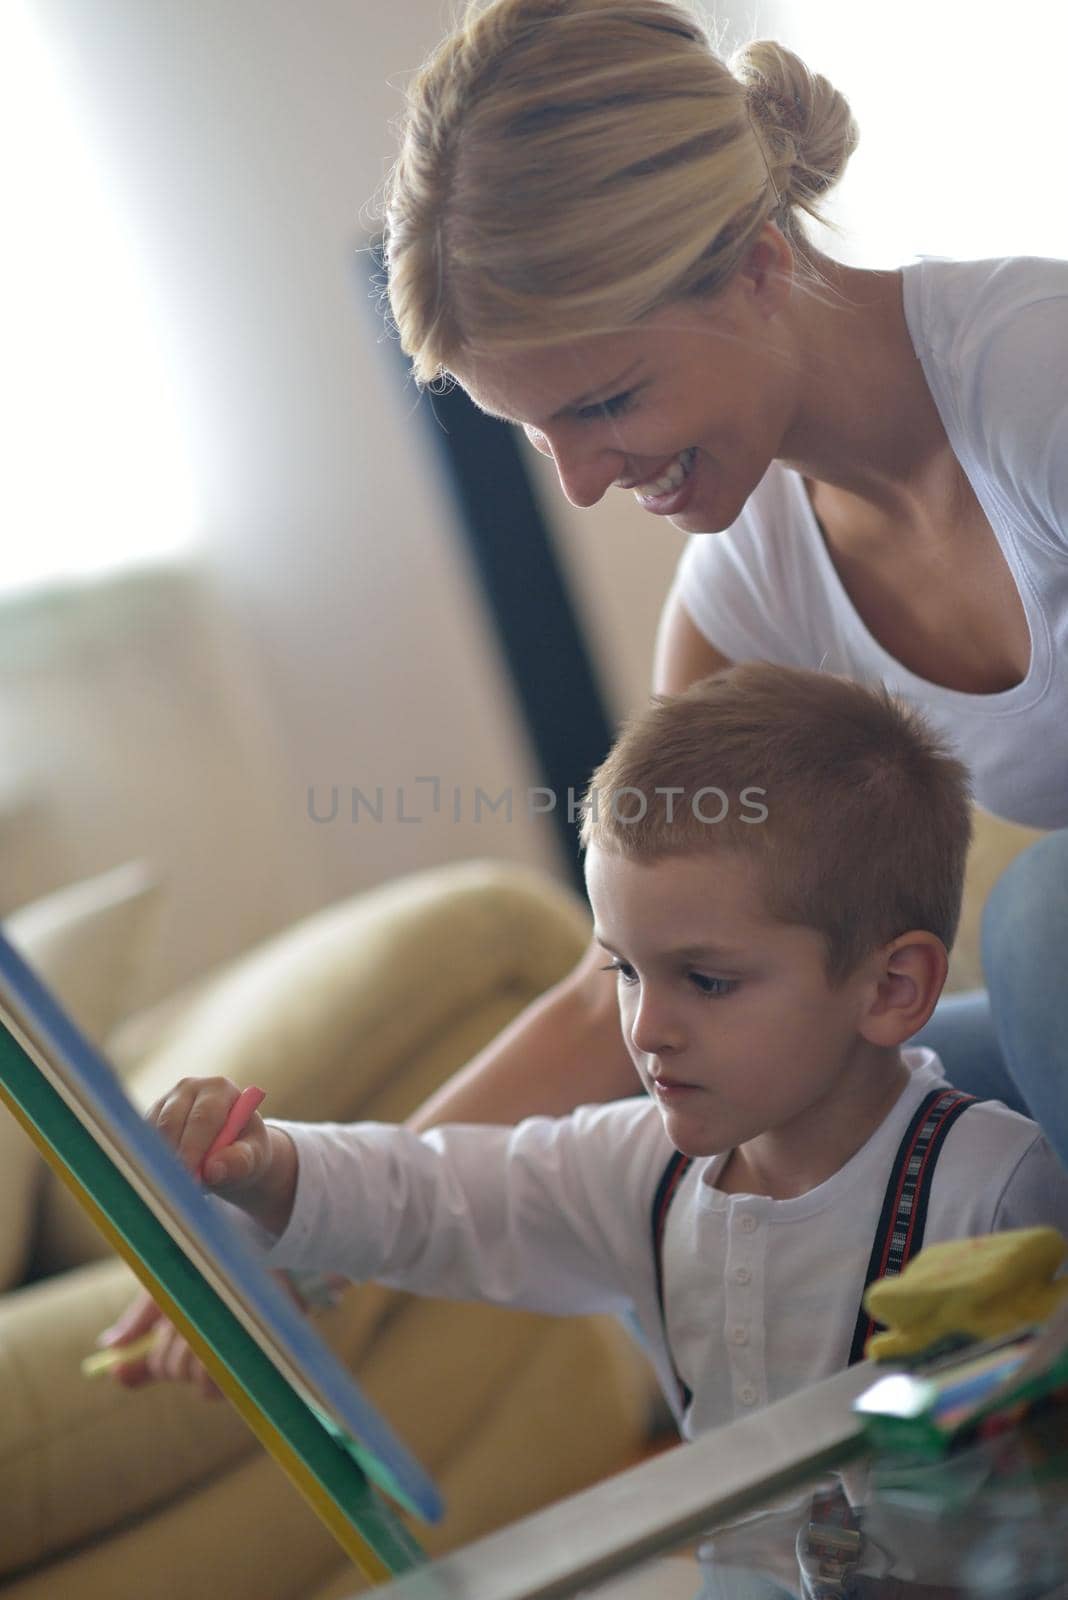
point(866, 422)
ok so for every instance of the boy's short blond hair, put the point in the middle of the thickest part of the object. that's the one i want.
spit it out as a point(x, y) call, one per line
point(859, 816)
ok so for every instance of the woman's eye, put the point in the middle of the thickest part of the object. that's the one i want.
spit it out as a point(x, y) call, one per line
point(712, 986)
point(615, 407)
point(623, 971)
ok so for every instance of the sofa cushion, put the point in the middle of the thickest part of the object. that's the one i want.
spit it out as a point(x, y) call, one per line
point(88, 942)
point(329, 1016)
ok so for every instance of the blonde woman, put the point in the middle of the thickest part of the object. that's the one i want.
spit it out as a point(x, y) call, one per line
point(595, 226)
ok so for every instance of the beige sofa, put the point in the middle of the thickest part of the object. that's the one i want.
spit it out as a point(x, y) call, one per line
point(358, 1012)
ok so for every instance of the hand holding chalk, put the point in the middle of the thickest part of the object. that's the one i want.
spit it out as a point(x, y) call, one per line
point(248, 1101)
point(117, 1355)
point(134, 1320)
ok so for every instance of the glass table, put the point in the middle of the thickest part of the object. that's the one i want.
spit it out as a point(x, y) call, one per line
point(791, 1504)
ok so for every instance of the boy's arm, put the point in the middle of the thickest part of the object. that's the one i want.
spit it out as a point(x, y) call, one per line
point(549, 1216)
point(1035, 1192)
point(270, 1205)
point(544, 1216)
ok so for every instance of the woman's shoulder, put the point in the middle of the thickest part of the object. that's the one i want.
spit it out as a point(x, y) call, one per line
point(960, 311)
point(993, 338)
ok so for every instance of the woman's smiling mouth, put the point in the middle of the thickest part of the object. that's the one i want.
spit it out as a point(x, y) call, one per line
point(671, 489)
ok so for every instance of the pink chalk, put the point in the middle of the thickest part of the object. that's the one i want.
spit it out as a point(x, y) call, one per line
point(246, 1103)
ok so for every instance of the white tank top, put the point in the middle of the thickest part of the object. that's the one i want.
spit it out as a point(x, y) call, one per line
point(992, 337)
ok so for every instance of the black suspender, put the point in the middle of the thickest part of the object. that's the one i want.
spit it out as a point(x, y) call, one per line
point(902, 1220)
point(672, 1176)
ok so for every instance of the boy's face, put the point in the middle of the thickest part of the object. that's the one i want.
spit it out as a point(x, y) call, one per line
point(728, 1015)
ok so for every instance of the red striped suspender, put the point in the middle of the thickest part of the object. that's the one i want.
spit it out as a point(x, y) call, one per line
point(903, 1218)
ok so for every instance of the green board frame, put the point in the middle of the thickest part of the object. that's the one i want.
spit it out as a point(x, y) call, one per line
point(251, 1340)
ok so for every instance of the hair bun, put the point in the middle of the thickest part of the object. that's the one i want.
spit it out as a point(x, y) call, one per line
point(808, 129)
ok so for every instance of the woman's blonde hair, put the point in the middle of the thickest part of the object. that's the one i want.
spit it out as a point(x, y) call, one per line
point(568, 166)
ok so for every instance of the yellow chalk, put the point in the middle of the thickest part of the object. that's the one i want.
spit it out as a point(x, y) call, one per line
point(115, 1355)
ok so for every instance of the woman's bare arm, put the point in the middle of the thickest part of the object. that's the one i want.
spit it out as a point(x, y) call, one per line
point(563, 1051)
point(683, 655)
point(566, 1049)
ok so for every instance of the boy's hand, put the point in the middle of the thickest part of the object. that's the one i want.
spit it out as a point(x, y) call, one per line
point(192, 1115)
point(257, 1172)
point(170, 1357)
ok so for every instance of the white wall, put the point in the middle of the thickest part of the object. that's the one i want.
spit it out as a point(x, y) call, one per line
point(243, 140)
point(960, 105)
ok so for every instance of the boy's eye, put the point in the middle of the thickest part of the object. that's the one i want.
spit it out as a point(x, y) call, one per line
point(614, 407)
point(712, 986)
point(623, 970)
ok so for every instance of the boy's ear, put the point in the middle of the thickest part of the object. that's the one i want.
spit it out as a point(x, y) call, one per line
point(909, 976)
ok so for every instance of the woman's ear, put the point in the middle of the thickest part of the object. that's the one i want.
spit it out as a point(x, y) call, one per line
point(909, 977)
point(767, 273)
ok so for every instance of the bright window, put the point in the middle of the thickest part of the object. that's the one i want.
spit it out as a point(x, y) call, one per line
point(94, 473)
point(961, 108)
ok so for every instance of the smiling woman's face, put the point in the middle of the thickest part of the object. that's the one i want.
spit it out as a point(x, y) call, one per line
point(687, 409)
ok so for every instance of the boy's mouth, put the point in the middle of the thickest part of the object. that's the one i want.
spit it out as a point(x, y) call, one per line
point(671, 1089)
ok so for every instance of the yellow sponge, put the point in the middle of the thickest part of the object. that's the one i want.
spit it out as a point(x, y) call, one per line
point(983, 1286)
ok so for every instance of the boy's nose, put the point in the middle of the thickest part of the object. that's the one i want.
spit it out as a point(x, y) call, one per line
point(653, 1031)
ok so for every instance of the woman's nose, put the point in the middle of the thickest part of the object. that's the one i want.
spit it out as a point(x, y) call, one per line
point(585, 471)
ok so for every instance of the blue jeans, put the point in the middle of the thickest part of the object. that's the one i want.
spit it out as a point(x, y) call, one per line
point(1009, 1041)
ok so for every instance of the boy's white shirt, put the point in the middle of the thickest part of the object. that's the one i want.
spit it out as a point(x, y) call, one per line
point(555, 1215)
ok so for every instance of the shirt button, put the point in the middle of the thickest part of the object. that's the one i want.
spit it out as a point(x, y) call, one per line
point(740, 1335)
point(742, 1275)
point(749, 1223)
point(747, 1395)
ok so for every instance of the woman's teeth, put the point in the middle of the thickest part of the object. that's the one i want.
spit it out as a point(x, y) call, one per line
point(670, 480)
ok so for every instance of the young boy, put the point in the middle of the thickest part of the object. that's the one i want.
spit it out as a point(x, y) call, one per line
point(774, 861)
